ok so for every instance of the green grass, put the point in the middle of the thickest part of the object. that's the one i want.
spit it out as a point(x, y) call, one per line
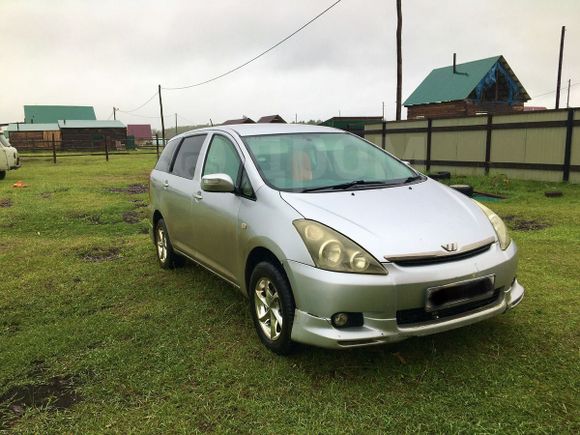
point(84, 308)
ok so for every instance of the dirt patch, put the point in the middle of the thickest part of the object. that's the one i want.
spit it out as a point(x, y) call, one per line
point(5, 202)
point(55, 394)
point(46, 195)
point(100, 254)
point(519, 224)
point(90, 218)
point(131, 217)
point(133, 189)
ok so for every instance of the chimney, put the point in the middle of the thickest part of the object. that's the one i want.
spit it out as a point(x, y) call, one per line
point(454, 63)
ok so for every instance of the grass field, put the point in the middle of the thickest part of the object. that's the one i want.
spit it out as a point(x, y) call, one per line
point(94, 337)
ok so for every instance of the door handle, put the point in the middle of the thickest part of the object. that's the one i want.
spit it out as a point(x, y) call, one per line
point(165, 184)
point(197, 196)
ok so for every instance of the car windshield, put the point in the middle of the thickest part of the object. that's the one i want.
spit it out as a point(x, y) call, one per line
point(305, 162)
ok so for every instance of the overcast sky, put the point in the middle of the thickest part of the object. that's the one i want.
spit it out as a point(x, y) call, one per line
point(109, 53)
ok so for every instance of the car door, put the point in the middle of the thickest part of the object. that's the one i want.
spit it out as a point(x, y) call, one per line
point(215, 214)
point(180, 190)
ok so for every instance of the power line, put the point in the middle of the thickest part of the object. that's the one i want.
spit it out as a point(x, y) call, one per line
point(259, 55)
point(554, 91)
point(141, 106)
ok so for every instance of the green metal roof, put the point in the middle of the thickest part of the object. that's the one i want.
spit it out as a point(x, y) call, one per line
point(49, 114)
point(32, 127)
point(443, 85)
point(90, 124)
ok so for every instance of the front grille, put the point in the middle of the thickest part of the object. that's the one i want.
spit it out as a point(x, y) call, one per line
point(419, 315)
point(442, 259)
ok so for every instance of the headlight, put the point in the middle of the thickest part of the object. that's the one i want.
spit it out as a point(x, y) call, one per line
point(331, 250)
point(498, 225)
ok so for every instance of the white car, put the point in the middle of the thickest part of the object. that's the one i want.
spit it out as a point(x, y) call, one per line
point(8, 156)
point(336, 242)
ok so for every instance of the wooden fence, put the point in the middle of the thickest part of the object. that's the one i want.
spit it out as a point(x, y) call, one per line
point(542, 145)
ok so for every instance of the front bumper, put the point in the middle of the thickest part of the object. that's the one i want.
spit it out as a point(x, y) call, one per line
point(319, 294)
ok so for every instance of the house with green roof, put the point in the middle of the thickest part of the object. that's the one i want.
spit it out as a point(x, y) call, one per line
point(68, 127)
point(481, 86)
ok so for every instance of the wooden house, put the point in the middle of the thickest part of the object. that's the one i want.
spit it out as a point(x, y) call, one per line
point(271, 119)
point(78, 135)
point(31, 136)
point(244, 120)
point(482, 86)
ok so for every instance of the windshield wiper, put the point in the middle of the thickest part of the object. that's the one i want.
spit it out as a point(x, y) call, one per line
point(411, 179)
point(348, 185)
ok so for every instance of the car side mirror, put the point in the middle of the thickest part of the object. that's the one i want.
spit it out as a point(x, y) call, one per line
point(217, 183)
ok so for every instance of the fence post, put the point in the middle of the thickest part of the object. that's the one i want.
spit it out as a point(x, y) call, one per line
point(157, 144)
point(568, 145)
point(107, 148)
point(428, 156)
point(53, 149)
point(384, 135)
point(488, 143)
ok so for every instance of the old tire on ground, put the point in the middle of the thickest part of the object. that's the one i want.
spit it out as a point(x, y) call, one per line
point(466, 189)
point(441, 175)
point(2, 175)
point(166, 256)
point(272, 307)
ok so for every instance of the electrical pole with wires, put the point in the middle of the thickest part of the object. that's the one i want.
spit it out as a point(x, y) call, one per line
point(161, 113)
point(115, 113)
point(568, 96)
point(399, 60)
point(559, 81)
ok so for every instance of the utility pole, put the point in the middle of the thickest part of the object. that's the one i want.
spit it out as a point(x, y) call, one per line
point(115, 113)
point(559, 82)
point(399, 59)
point(383, 110)
point(176, 124)
point(568, 97)
point(161, 111)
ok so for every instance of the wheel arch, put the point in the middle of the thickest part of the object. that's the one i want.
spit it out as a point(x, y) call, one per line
point(257, 255)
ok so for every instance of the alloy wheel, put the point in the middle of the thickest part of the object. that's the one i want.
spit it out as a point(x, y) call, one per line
point(268, 311)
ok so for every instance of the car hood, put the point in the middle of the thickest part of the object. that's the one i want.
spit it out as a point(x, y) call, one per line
point(403, 221)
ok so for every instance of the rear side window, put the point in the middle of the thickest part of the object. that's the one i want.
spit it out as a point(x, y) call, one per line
point(165, 159)
point(184, 164)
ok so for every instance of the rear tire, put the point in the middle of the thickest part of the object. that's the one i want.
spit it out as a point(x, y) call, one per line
point(272, 307)
point(166, 256)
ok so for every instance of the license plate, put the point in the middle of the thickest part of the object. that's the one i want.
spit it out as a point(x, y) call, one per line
point(459, 293)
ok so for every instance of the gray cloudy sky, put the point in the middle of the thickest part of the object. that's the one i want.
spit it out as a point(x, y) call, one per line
point(114, 53)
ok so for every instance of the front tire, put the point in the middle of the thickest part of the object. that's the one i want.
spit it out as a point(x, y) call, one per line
point(272, 307)
point(166, 256)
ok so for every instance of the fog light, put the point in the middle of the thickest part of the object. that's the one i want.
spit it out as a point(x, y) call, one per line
point(340, 319)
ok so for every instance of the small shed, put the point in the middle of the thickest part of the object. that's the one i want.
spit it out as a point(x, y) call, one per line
point(482, 86)
point(141, 133)
point(244, 120)
point(271, 119)
point(91, 134)
point(31, 136)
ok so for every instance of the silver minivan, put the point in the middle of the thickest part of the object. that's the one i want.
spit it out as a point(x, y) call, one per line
point(335, 242)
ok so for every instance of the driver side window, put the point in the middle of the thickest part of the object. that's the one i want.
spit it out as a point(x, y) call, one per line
point(222, 158)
